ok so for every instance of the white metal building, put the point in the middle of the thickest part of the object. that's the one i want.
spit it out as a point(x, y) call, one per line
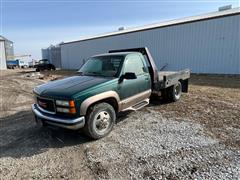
point(2, 55)
point(6, 51)
point(208, 43)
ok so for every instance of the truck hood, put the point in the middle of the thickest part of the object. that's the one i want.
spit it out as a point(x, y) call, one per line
point(66, 88)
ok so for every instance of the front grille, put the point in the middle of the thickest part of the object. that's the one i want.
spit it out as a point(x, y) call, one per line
point(46, 104)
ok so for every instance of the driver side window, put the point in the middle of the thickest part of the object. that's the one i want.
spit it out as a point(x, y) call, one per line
point(134, 64)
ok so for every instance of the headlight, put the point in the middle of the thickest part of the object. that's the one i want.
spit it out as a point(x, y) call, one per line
point(65, 103)
point(66, 106)
point(66, 110)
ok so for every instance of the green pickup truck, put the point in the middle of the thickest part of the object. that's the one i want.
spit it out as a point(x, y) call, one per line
point(106, 84)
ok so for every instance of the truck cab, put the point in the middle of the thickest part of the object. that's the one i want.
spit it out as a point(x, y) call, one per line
point(44, 64)
point(105, 85)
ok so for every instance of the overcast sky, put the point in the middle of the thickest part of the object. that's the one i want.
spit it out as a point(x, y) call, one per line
point(35, 24)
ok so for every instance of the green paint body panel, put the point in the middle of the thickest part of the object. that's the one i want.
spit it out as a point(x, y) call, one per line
point(79, 88)
point(136, 73)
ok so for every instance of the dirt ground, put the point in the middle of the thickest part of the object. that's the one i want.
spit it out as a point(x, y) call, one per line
point(197, 137)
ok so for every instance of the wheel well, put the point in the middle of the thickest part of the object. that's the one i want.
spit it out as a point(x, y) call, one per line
point(112, 101)
point(184, 84)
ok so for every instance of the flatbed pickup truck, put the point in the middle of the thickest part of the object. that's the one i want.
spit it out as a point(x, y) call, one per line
point(44, 64)
point(106, 84)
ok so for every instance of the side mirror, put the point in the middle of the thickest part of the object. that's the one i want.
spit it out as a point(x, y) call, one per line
point(129, 75)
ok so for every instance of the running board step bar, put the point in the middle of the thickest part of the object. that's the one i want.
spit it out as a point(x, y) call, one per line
point(141, 105)
point(138, 105)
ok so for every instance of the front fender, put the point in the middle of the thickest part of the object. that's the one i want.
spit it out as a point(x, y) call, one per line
point(93, 99)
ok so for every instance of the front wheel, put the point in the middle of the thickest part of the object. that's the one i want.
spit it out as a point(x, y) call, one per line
point(100, 120)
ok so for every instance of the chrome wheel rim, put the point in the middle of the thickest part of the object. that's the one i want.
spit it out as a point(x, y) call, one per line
point(177, 91)
point(102, 122)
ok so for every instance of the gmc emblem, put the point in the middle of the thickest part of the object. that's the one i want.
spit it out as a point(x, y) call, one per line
point(44, 105)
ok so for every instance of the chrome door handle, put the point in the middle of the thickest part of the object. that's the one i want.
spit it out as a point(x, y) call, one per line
point(146, 77)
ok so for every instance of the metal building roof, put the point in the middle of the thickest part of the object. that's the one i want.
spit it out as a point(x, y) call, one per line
point(4, 39)
point(213, 15)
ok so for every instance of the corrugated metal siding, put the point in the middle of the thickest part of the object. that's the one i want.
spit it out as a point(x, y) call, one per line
point(210, 46)
point(2, 56)
point(45, 54)
point(53, 54)
point(9, 49)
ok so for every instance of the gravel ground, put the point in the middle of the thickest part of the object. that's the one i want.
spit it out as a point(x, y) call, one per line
point(195, 138)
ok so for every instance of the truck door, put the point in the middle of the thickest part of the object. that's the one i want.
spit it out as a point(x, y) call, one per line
point(135, 89)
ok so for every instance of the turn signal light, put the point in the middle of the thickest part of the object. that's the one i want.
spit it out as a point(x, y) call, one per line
point(71, 103)
point(72, 110)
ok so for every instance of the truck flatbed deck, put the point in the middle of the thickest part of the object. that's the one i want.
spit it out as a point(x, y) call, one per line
point(169, 78)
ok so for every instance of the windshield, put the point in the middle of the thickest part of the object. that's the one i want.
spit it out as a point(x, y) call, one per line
point(43, 62)
point(108, 66)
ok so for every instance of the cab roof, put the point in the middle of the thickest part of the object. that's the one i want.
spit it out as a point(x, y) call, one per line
point(116, 54)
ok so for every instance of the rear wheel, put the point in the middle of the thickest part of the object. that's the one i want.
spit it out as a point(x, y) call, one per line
point(173, 93)
point(100, 120)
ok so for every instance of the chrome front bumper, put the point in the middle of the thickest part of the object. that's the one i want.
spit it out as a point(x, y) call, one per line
point(60, 122)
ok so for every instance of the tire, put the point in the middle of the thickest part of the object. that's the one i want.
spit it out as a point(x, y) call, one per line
point(173, 93)
point(100, 120)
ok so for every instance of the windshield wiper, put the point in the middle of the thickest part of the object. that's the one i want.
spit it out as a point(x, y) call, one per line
point(92, 74)
point(80, 73)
